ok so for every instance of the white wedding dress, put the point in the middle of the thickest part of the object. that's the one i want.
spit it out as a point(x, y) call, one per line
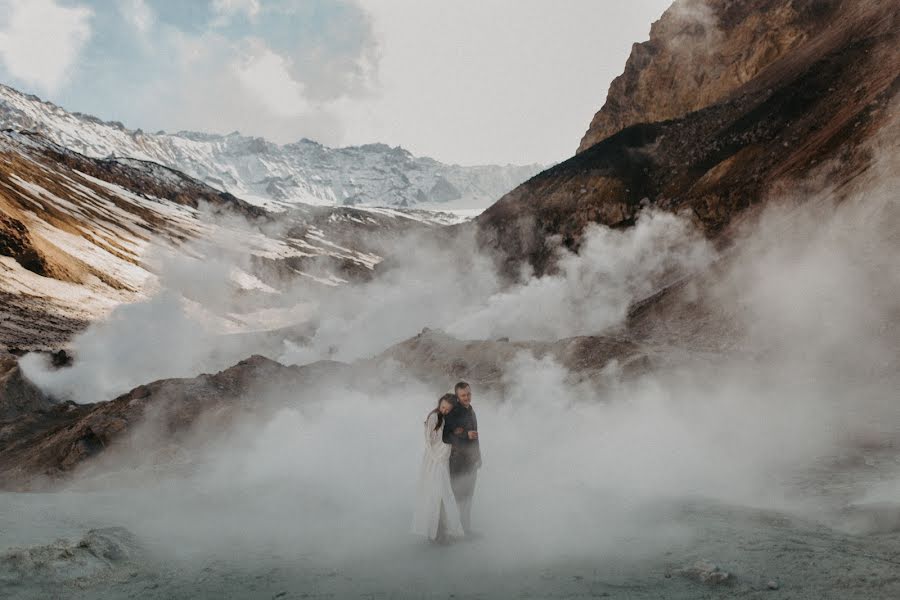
point(434, 487)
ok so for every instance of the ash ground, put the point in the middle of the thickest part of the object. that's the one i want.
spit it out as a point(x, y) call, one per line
point(837, 539)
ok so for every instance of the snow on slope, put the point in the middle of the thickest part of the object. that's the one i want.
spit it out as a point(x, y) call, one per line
point(271, 175)
point(78, 236)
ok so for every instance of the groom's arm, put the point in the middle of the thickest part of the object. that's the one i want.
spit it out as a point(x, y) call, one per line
point(454, 430)
point(477, 445)
point(474, 429)
point(449, 426)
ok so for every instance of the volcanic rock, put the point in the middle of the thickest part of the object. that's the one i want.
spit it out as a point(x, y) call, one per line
point(707, 572)
point(701, 52)
point(804, 103)
point(100, 553)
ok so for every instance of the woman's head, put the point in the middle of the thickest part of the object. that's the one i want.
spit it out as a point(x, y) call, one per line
point(446, 403)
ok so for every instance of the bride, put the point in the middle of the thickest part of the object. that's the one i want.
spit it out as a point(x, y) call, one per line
point(437, 516)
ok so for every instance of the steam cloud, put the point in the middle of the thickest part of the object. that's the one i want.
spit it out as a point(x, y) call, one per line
point(455, 288)
point(805, 310)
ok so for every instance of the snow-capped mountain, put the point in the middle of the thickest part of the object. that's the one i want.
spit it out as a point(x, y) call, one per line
point(79, 236)
point(271, 175)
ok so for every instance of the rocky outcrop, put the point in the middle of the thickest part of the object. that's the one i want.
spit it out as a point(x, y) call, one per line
point(706, 572)
point(18, 396)
point(38, 446)
point(699, 53)
point(809, 112)
point(105, 554)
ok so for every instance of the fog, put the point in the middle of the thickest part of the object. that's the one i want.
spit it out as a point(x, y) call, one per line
point(178, 331)
point(808, 298)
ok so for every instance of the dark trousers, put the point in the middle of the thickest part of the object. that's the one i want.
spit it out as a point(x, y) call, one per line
point(463, 484)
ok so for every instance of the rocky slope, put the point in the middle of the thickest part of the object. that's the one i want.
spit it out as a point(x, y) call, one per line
point(268, 174)
point(699, 53)
point(802, 103)
point(39, 445)
point(78, 236)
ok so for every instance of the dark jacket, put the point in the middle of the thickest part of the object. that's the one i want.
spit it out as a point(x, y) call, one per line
point(466, 453)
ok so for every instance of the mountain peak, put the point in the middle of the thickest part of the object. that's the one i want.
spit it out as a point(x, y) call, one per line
point(307, 172)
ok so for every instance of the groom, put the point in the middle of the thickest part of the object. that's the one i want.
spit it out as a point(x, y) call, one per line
point(461, 431)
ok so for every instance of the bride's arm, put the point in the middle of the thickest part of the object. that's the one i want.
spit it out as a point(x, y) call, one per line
point(430, 433)
point(434, 439)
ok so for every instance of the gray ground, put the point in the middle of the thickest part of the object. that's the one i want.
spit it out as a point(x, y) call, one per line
point(70, 545)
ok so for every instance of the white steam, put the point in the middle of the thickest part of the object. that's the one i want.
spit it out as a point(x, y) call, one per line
point(457, 289)
point(810, 296)
point(180, 330)
point(595, 287)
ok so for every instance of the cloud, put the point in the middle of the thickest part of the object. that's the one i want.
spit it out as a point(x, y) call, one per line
point(266, 75)
point(590, 295)
point(510, 81)
point(212, 83)
point(43, 40)
point(226, 9)
point(160, 65)
point(138, 14)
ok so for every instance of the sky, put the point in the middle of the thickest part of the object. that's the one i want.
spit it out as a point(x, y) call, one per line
point(462, 81)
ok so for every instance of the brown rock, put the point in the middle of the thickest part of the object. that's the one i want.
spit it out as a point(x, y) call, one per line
point(17, 395)
point(808, 107)
point(699, 53)
point(42, 442)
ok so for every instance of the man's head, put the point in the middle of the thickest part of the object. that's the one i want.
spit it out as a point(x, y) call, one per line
point(463, 393)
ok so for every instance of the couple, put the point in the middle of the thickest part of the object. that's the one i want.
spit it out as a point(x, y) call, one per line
point(449, 468)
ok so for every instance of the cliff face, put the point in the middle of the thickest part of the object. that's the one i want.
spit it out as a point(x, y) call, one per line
point(808, 111)
point(700, 52)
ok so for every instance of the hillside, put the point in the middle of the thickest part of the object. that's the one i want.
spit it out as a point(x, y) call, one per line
point(687, 134)
point(80, 236)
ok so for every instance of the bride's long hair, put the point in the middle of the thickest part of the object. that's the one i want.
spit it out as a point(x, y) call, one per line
point(451, 398)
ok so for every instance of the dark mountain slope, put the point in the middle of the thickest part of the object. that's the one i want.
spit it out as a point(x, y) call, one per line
point(809, 113)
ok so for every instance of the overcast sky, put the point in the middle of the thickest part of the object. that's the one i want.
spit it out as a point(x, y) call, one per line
point(471, 82)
